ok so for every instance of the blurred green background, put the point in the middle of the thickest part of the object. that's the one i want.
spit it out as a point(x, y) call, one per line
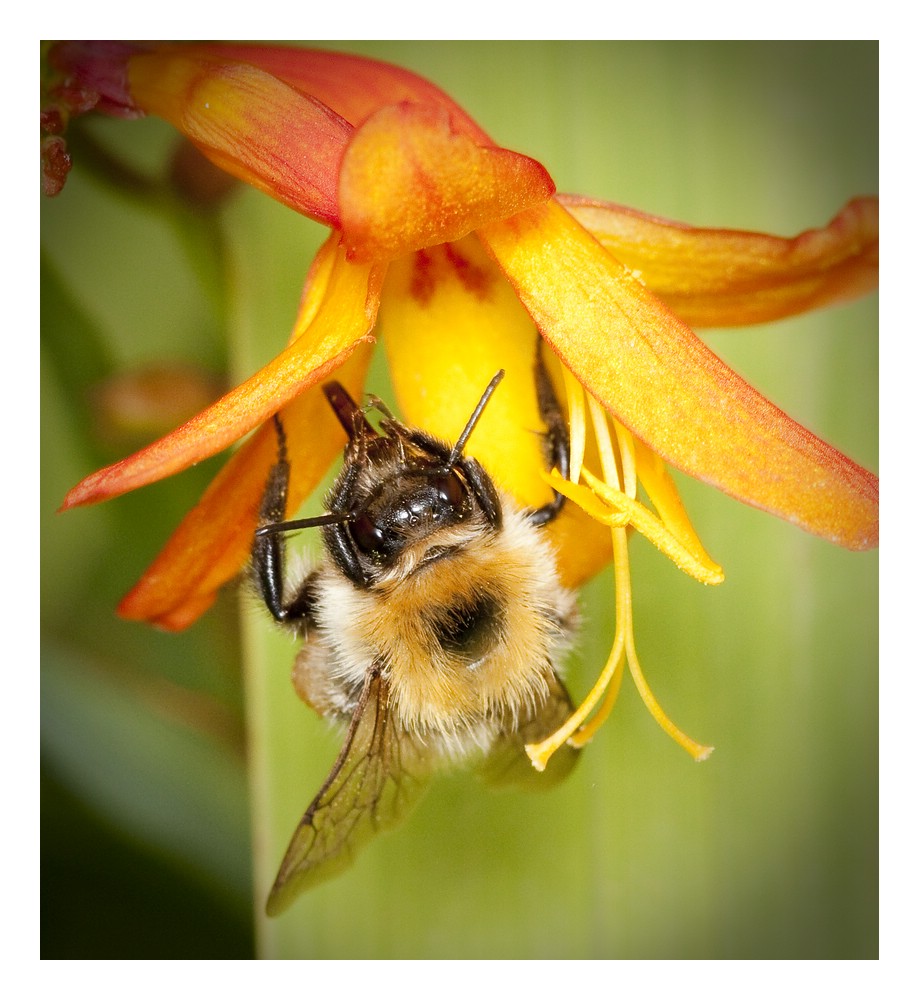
point(767, 850)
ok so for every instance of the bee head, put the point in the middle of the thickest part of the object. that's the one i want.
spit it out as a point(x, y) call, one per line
point(401, 489)
point(407, 508)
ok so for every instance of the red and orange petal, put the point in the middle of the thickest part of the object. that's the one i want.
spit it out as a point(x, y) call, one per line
point(343, 318)
point(214, 540)
point(281, 119)
point(726, 277)
point(651, 371)
point(249, 123)
point(355, 86)
point(210, 544)
point(410, 180)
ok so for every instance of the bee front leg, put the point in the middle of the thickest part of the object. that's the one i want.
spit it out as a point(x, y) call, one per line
point(268, 548)
point(557, 445)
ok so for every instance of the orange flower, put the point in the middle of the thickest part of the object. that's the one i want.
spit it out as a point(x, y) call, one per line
point(458, 251)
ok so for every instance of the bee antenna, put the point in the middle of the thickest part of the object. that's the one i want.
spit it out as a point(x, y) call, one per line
point(474, 419)
point(333, 517)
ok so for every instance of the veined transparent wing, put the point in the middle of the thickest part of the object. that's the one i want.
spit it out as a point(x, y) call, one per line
point(376, 778)
point(508, 763)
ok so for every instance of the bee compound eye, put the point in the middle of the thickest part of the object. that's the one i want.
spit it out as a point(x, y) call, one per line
point(367, 534)
point(450, 489)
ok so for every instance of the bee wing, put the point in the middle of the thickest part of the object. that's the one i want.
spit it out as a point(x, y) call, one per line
point(377, 777)
point(507, 762)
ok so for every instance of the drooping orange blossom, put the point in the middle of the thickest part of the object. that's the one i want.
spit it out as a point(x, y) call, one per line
point(460, 251)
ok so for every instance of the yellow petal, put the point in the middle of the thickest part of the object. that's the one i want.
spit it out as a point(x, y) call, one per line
point(660, 487)
point(343, 319)
point(409, 179)
point(449, 322)
point(657, 378)
point(727, 277)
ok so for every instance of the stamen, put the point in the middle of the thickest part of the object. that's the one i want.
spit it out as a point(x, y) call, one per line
point(608, 463)
point(613, 501)
point(620, 645)
point(696, 750)
point(624, 472)
point(539, 753)
point(577, 425)
point(654, 529)
point(627, 459)
point(587, 500)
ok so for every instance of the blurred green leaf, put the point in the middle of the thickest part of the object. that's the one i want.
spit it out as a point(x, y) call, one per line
point(142, 733)
point(149, 760)
point(107, 896)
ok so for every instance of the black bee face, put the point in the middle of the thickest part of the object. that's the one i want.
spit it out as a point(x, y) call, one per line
point(407, 508)
point(399, 489)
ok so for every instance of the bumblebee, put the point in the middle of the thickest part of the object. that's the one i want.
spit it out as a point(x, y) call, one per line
point(430, 628)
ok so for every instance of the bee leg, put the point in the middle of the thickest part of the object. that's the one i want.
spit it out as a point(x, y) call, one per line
point(483, 489)
point(339, 543)
point(556, 439)
point(268, 549)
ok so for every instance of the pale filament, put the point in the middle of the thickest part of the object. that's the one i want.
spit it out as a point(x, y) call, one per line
point(617, 461)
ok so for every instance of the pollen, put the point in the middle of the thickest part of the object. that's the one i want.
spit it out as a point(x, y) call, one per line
point(612, 498)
